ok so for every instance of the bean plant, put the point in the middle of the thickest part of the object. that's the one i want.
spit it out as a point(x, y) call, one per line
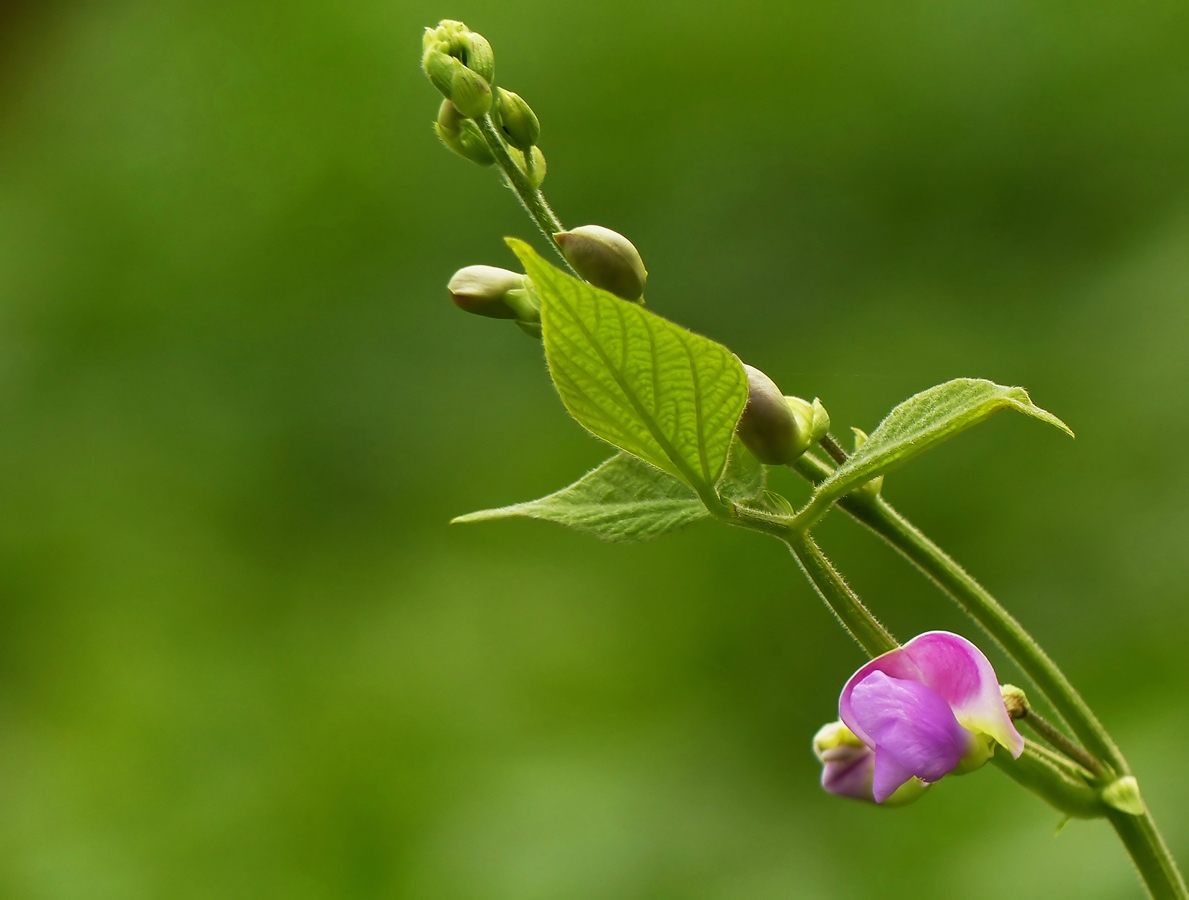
point(695, 432)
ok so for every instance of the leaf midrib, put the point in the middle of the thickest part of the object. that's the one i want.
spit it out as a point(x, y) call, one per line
point(669, 450)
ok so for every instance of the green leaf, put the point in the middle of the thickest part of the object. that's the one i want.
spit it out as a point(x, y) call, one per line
point(637, 381)
point(744, 478)
point(922, 422)
point(626, 499)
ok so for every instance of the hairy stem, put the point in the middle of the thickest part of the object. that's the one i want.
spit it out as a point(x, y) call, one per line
point(1062, 789)
point(1057, 739)
point(1150, 855)
point(530, 197)
point(844, 602)
point(1139, 834)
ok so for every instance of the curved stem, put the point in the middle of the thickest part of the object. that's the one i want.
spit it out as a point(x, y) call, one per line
point(1061, 789)
point(845, 603)
point(530, 197)
point(1139, 834)
point(1150, 855)
point(878, 515)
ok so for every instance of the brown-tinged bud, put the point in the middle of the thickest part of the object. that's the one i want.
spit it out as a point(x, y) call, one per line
point(768, 426)
point(517, 120)
point(495, 293)
point(606, 259)
point(1014, 700)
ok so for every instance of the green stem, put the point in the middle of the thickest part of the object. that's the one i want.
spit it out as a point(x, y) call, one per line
point(1057, 739)
point(1150, 855)
point(878, 515)
point(530, 197)
point(1063, 790)
point(844, 602)
point(1139, 834)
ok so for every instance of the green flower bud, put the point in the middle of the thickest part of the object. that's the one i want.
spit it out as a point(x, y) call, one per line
point(460, 64)
point(462, 135)
point(768, 427)
point(470, 92)
point(469, 47)
point(536, 175)
point(606, 259)
point(812, 417)
point(439, 68)
point(495, 293)
point(517, 120)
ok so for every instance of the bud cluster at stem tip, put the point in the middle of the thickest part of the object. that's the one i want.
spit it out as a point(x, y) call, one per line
point(461, 64)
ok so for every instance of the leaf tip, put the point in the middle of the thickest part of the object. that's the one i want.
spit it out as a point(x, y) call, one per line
point(1025, 405)
point(523, 250)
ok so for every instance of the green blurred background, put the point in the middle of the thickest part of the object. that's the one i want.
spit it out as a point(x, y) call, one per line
point(242, 654)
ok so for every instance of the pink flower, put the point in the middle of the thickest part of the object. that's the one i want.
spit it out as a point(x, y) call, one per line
point(925, 710)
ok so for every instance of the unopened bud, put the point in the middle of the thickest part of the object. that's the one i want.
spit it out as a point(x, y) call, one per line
point(1015, 700)
point(535, 172)
point(606, 259)
point(517, 120)
point(812, 417)
point(495, 293)
point(460, 64)
point(462, 135)
point(469, 47)
point(470, 92)
point(768, 427)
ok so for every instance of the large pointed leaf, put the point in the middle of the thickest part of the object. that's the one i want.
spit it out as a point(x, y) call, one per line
point(922, 422)
point(636, 380)
point(626, 499)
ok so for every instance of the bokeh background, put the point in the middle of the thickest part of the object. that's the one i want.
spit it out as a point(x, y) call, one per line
point(242, 653)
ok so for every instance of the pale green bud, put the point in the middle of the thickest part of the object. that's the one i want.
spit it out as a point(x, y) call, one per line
point(517, 120)
point(834, 736)
point(468, 47)
point(812, 417)
point(462, 135)
point(460, 64)
point(495, 293)
point(768, 427)
point(470, 92)
point(536, 174)
point(606, 259)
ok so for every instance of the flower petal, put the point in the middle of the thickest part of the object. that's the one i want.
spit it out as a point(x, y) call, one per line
point(848, 771)
point(956, 670)
point(911, 727)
